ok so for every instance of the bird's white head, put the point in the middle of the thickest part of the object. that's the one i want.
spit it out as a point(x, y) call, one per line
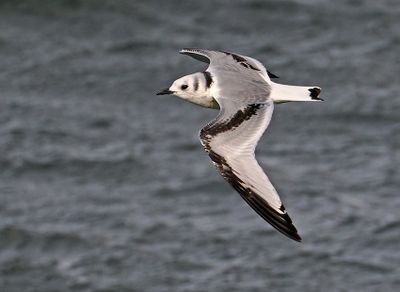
point(194, 88)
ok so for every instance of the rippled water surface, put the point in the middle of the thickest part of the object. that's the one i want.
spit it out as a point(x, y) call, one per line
point(105, 187)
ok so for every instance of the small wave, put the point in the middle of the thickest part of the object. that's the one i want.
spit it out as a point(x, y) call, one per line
point(389, 227)
point(363, 265)
point(20, 238)
point(56, 162)
point(101, 123)
point(130, 46)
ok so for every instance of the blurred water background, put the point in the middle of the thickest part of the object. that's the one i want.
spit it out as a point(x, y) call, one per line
point(105, 187)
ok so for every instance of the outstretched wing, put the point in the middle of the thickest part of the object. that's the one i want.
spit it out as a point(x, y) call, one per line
point(212, 56)
point(230, 141)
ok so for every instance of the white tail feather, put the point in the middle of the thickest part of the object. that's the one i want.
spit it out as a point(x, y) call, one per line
point(284, 93)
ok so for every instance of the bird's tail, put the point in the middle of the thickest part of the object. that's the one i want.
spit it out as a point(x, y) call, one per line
point(284, 93)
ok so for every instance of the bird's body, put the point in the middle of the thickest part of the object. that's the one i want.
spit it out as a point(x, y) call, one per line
point(241, 88)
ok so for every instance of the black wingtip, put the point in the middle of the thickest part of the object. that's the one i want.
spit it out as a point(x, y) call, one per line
point(295, 237)
point(271, 75)
point(281, 222)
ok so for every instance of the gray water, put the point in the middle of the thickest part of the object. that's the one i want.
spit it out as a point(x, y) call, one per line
point(105, 187)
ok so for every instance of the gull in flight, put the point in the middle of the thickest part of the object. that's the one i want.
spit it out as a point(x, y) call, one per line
point(241, 88)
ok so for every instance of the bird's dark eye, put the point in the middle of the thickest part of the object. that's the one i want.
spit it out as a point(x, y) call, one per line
point(184, 86)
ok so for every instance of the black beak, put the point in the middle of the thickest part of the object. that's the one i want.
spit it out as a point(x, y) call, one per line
point(165, 91)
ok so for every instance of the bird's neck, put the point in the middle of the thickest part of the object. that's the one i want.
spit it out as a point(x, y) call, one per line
point(204, 100)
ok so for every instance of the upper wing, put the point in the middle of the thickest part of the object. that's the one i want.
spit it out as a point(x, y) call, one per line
point(230, 141)
point(214, 56)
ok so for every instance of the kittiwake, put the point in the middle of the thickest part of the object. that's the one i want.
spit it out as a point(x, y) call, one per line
point(241, 88)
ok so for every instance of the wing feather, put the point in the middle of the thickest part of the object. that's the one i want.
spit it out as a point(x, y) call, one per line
point(214, 56)
point(230, 141)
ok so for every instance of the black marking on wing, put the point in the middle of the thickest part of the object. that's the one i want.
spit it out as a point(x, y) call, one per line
point(314, 93)
point(249, 66)
point(281, 222)
point(208, 77)
point(200, 55)
point(271, 75)
point(238, 58)
point(241, 60)
point(239, 117)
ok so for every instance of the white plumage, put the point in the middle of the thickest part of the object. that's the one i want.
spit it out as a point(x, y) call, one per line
point(242, 89)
